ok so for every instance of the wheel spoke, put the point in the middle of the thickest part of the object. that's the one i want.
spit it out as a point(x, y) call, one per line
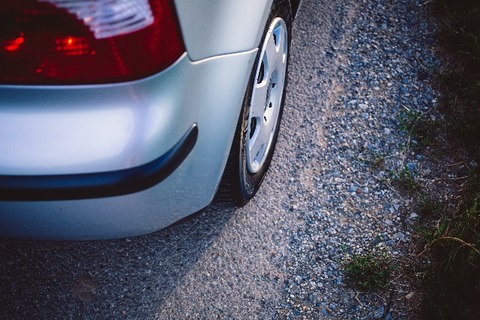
point(281, 41)
point(278, 53)
point(259, 100)
point(279, 65)
point(271, 53)
point(259, 144)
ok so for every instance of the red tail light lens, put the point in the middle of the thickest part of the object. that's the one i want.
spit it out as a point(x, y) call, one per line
point(86, 41)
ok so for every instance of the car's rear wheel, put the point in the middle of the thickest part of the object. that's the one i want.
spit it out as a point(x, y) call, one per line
point(259, 123)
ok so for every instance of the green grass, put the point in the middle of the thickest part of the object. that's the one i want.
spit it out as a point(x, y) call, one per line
point(368, 272)
point(405, 180)
point(421, 127)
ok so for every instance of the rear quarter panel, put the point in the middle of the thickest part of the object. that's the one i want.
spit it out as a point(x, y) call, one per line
point(217, 27)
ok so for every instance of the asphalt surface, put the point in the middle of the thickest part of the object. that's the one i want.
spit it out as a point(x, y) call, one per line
point(278, 257)
point(222, 262)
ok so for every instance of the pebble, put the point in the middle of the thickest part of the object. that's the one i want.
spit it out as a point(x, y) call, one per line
point(379, 312)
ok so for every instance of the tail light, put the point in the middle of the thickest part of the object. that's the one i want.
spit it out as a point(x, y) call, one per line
point(86, 41)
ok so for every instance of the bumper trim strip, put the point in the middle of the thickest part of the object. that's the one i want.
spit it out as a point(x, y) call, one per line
point(101, 184)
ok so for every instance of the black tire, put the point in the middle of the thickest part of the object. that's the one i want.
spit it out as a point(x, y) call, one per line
point(243, 176)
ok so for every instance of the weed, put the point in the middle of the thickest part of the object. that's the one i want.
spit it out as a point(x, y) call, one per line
point(369, 271)
point(377, 162)
point(429, 234)
point(429, 207)
point(440, 228)
point(374, 159)
point(405, 180)
point(422, 127)
point(426, 234)
point(453, 282)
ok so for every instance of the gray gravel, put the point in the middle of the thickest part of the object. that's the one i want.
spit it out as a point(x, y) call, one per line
point(356, 66)
point(372, 70)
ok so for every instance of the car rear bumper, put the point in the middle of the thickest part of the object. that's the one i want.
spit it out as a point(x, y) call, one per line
point(73, 133)
point(100, 184)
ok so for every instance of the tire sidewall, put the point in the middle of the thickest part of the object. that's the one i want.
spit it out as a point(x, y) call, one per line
point(250, 182)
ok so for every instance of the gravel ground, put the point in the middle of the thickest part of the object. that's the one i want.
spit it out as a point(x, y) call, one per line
point(356, 66)
point(371, 72)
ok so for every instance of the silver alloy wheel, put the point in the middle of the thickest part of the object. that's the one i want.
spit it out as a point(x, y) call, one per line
point(266, 100)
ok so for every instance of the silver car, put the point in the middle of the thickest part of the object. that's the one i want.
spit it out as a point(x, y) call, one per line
point(118, 118)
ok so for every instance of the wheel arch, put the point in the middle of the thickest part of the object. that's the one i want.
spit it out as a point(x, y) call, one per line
point(218, 27)
point(295, 4)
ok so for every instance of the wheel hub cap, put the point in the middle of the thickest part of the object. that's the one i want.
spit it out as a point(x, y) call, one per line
point(267, 95)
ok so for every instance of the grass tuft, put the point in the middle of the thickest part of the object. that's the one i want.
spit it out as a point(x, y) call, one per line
point(368, 272)
point(405, 180)
point(422, 127)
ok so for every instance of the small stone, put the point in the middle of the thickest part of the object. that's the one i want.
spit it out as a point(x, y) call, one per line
point(379, 312)
point(412, 166)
